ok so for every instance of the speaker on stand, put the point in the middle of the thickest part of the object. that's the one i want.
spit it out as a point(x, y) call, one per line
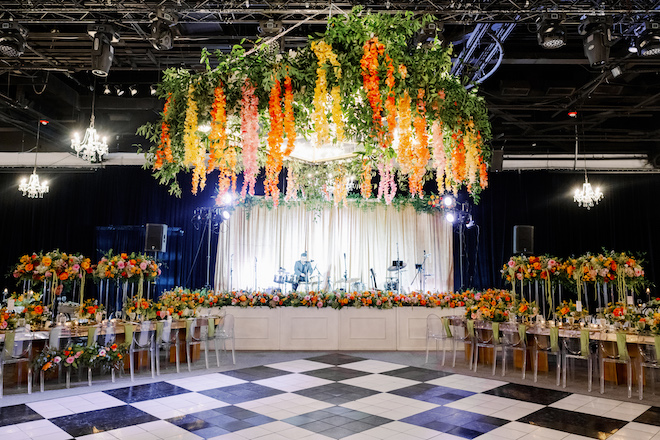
point(523, 239)
point(155, 240)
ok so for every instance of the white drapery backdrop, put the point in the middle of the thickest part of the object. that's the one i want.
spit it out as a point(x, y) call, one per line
point(256, 243)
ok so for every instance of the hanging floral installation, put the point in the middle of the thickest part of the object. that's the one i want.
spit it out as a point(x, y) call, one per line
point(362, 82)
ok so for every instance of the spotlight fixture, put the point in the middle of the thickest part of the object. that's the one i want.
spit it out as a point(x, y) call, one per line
point(226, 214)
point(648, 42)
point(12, 39)
point(270, 29)
point(450, 217)
point(470, 224)
point(133, 89)
point(119, 91)
point(550, 32)
point(162, 37)
point(448, 200)
point(103, 35)
point(106, 90)
point(152, 90)
point(596, 39)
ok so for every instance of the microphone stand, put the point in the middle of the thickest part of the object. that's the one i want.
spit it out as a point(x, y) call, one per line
point(398, 271)
point(231, 270)
point(345, 273)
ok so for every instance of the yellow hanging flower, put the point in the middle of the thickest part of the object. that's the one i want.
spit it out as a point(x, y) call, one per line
point(190, 137)
point(323, 52)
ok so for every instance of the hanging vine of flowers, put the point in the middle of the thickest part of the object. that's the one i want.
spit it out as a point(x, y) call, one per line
point(361, 82)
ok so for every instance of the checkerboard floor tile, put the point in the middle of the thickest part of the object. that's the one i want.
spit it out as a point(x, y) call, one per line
point(331, 396)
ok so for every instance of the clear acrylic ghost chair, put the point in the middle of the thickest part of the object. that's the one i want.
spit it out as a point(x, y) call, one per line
point(460, 334)
point(142, 342)
point(165, 340)
point(225, 332)
point(59, 336)
point(574, 348)
point(609, 353)
point(104, 335)
point(647, 359)
point(18, 351)
point(511, 340)
point(197, 335)
point(436, 330)
point(543, 344)
point(484, 338)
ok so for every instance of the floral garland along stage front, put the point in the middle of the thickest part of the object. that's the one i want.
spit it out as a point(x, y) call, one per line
point(360, 81)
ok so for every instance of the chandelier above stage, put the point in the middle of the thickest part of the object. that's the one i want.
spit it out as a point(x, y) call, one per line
point(92, 147)
point(587, 197)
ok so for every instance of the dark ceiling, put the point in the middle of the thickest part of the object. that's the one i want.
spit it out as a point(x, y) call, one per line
point(529, 90)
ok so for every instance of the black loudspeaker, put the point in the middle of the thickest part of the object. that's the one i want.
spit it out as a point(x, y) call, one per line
point(497, 161)
point(523, 239)
point(155, 238)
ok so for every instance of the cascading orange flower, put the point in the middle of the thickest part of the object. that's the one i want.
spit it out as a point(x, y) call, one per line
point(439, 155)
point(390, 101)
point(164, 150)
point(341, 188)
point(275, 137)
point(289, 122)
point(421, 153)
point(222, 156)
point(194, 149)
point(457, 160)
point(370, 79)
point(404, 153)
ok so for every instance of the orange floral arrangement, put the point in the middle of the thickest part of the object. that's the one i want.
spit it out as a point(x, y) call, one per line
point(164, 150)
point(369, 64)
point(421, 153)
point(275, 136)
point(289, 122)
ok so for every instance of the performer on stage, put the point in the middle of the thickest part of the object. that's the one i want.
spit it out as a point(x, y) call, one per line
point(302, 270)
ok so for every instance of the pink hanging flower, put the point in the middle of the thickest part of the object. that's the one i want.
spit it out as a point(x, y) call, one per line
point(70, 360)
point(250, 137)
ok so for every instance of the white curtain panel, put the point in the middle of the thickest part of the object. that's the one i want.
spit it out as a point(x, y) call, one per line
point(255, 244)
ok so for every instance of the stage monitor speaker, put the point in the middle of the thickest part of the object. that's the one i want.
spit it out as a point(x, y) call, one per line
point(497, 161)
point(155, 239)
point(523, 239)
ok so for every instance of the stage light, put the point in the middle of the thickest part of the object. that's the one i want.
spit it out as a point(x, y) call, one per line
point(269, 29)
point(448, 200)
point(119, 91)
point(152, 90)
point(425, 37)
point(133, 89)
point(597, 37)
point(226, 214)
point(450, 217)
point(648, 42)
point(227, 199)
point(103, 52)
point(12, 39)
point(550, 32)
point(162, 37)
point(106, 90)
point(470, 223)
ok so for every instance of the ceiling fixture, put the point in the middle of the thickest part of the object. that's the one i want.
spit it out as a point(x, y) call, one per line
point(153, 90)
point(648, 42)
point(103, 53)
point(586, 197)
point(92, 147)
point(133, 89)
point(596, 39)
point(162, 37)
point(32, 187)
point(12, 39)
point(550, 32)
point(119, 91)
point(271, 29)
point(425, 37)
point(106, 90)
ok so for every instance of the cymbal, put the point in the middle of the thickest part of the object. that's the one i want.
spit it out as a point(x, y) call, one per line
point(349, 280)
point(395, 268)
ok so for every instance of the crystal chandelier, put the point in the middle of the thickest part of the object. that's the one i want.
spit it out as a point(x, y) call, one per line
point(33, 188)
point(587, 197)
point(92, 148)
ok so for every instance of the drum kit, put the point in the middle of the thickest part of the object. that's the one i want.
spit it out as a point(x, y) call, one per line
point(282, 277)
point(393, 280)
